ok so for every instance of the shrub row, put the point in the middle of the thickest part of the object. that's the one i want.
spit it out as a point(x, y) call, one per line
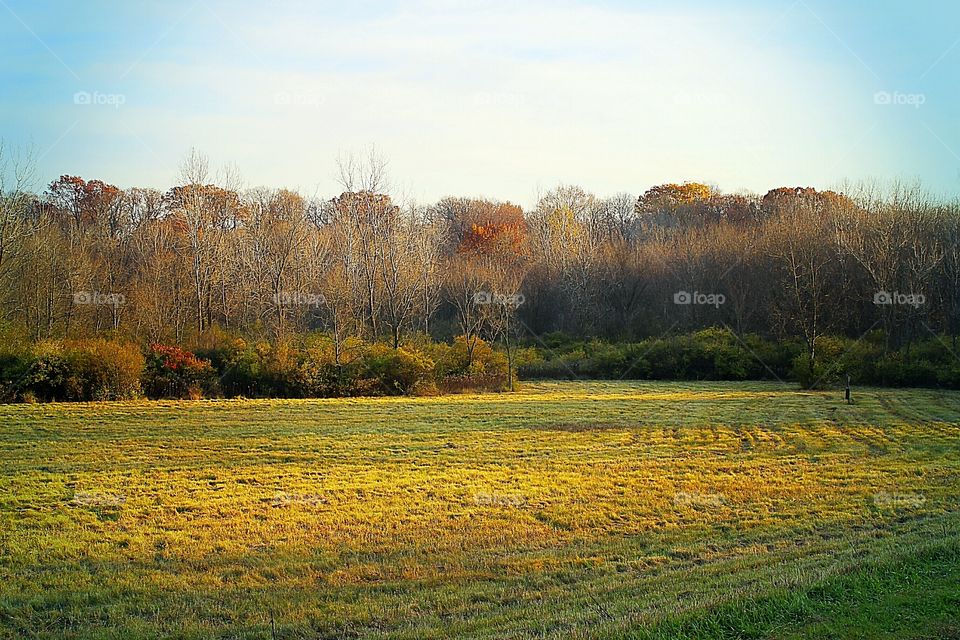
point(316, 366)
point(320, 367)
point(100, 369)
point(928, 363)
point(719, 354)
point(712, 354)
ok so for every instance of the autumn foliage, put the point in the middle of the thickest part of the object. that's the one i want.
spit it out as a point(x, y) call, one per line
point(173, 372)
point(270, 266)
point(488, 227)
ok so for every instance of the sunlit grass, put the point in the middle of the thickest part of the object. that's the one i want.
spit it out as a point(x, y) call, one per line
point(584, 509)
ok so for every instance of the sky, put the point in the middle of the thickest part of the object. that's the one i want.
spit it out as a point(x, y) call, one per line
point(497, 99)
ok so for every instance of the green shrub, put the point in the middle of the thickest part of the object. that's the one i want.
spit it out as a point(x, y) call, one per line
point(14, 366)
point(238, 367)
point(725, 356)
point(49, 376)
point(895, 369)
point(676, 357)
point(949, 375)
point(546, 368)
point(829, 365)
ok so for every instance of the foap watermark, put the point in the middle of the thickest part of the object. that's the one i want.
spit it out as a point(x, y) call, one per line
point(282, 499)
point(98, 499)
point(698, 297)
point(98, 297)
point(96, 98)
point(498, 500)
point(298, 298)
point(898, 98)
point(898, 500)
point(299, 99)
point(914, 300)
point(701, 500)
point(502, 299)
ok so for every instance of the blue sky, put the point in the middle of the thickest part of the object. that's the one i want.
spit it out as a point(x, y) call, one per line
point(502, 99)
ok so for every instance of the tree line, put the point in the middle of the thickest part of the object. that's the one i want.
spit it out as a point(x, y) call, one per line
point(84, 258)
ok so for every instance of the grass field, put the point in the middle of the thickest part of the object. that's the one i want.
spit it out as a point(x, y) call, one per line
point(593, 510)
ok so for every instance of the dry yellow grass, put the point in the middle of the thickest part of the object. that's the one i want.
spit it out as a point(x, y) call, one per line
point(566, 508)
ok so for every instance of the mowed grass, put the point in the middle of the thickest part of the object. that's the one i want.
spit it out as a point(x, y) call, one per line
point(584, 510)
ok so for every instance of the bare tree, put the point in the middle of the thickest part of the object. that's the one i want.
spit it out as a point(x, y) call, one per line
point(206, 212)
point(803, 255)
point(274, 234)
